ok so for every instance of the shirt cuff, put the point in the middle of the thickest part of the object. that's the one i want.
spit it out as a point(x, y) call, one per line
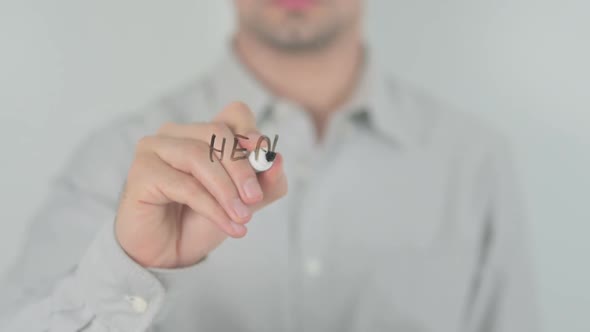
point(120, 292)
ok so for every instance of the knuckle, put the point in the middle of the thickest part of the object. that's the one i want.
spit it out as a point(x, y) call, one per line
point(140, 166)
point(194, 148)
point(238, 106)
point(144, 143)
point(167, 127)
point(220, 128)
point(238, 109)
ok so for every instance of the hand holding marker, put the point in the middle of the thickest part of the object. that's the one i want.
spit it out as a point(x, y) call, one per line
point(177, 205)
point(259, 161)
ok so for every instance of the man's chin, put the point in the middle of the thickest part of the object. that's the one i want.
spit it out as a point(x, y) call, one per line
point(295, 41)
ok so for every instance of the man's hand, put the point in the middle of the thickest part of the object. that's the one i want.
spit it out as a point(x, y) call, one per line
point(177, 205)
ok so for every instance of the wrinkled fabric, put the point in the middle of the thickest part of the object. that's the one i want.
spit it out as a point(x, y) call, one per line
point(405, 217)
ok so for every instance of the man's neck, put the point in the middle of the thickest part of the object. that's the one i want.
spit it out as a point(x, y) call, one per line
point(321, 81)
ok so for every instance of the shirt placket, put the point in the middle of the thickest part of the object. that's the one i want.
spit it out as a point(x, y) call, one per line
point(297, 145)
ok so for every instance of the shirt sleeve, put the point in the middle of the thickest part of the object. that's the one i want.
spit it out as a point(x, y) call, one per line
point(72, 275)
point(503, 296)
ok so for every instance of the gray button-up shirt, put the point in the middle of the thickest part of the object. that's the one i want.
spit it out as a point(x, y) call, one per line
point(404, 218)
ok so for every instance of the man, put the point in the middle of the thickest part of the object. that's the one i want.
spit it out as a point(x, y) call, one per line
point(400, 215)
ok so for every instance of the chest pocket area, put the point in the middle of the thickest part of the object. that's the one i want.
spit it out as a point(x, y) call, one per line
point(414, 291)
point(380, 206)
point(381, 238)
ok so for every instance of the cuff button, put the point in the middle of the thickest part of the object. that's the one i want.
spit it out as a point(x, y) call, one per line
point(138, 303)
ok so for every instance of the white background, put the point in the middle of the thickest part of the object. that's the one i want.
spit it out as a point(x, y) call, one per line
point(69, 66)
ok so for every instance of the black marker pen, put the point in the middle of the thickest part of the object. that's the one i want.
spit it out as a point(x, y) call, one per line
point(264, 161)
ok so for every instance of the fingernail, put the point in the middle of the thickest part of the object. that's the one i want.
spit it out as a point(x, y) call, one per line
point(252, 188)
point(240, 209)
point(237, 227)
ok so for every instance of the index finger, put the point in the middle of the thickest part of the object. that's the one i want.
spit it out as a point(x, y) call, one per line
point(238, 117)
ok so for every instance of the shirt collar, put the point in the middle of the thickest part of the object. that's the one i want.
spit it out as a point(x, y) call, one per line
point(377, 94)
point(386, 103)
point(233, 81)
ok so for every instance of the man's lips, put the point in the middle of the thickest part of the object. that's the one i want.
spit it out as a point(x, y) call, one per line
point(295, 4)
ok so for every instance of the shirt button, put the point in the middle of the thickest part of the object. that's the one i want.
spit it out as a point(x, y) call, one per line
point(138, 304)
point(313, 267)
